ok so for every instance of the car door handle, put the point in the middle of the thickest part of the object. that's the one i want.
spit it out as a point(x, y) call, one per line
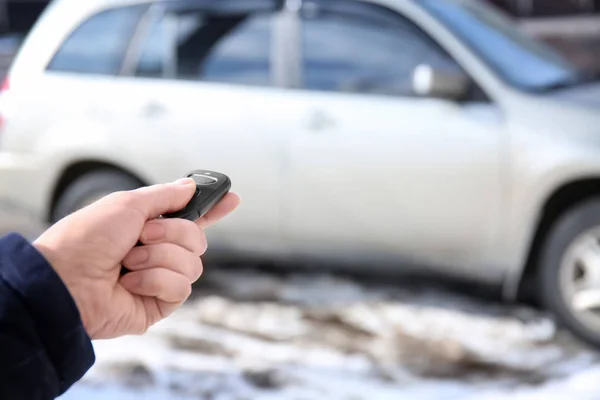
point(154, 109)
point(320, 121)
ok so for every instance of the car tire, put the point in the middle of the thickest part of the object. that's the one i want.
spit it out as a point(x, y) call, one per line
point(90, 187)
point(575, 226)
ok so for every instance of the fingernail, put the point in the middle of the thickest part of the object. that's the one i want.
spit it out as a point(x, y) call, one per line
point(136, 257)
point(153, 231)
point(184, 181)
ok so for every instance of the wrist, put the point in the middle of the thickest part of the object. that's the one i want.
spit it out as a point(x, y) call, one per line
point(54, 260)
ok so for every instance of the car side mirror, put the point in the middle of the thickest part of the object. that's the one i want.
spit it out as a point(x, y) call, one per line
point(452, 84)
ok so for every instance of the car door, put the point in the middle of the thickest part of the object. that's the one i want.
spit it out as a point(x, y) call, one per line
point(376, 172)
point(203, 78)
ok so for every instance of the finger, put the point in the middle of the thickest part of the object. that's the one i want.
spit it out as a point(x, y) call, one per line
point(161, 283)
point(177, 231)
point(223, 208)
point(153, 201)
point(165, 255)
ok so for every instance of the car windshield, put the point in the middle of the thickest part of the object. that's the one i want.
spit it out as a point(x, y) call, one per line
point(520, 60)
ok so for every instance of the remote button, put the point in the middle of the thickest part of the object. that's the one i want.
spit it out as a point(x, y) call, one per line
point(204, 180)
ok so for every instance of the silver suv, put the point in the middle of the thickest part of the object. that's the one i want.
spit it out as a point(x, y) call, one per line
point(414, 135)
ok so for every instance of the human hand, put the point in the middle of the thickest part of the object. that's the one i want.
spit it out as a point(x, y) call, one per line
point(88, 248)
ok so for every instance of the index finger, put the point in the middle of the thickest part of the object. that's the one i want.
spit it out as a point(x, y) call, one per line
point(223, 208)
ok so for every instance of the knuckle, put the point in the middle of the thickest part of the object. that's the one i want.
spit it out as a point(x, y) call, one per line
point(197, 269)
point(176, 258)
point(188, 235)
point(181, 290)
point(202, 242)
point(186, 228)
point(191, 228)
point(186, 292)
point(184, 233)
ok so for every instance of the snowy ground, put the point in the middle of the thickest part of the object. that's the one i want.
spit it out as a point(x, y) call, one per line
point(251, 335)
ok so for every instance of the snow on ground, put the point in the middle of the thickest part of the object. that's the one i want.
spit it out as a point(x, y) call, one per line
point(255, 335)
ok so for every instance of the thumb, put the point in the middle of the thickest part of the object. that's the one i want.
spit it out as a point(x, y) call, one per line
point(153, 201)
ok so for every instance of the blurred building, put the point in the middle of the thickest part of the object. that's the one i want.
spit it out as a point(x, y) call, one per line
point(545, 8)
point(571, 26)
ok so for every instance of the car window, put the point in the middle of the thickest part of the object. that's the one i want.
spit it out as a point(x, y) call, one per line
point(361, 48)
point(99, 44)
point(213, 48)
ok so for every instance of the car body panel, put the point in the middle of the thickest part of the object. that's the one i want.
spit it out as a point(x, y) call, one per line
point(377, 185)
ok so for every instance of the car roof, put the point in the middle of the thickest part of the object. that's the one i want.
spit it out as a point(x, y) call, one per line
point(99, 4)
point(96, 4)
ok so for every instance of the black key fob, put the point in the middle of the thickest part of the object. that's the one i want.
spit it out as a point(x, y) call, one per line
point(211, 187)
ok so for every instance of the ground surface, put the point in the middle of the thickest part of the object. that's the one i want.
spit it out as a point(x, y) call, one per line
point(251, 335)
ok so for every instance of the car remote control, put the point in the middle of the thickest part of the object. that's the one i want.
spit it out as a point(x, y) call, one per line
point(211, 187)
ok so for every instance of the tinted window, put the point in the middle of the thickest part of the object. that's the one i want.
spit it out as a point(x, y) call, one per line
point(98, 45)
point(203, 47)
point(363, 48)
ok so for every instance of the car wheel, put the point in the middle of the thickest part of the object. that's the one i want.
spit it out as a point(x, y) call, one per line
point(569, 271)
point(89, 188)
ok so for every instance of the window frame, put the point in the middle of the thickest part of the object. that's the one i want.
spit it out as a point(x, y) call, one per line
point(165, 9)
point(478, 93)
point(143, 6)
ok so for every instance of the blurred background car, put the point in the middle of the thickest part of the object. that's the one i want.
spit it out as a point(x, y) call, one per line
point(426, 135)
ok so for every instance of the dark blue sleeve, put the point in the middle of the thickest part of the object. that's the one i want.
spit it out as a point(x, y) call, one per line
point(44, 348)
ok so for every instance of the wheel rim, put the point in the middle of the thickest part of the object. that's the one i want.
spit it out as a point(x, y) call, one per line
point(580, 278)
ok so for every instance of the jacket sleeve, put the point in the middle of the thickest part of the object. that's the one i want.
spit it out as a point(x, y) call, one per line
point(44, 348)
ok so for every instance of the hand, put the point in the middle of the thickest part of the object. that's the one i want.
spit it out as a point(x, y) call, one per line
point(88, 248)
